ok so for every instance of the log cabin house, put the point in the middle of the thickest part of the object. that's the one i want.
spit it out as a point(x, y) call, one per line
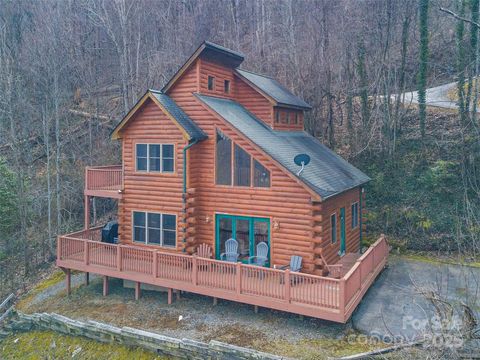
point(211, 157)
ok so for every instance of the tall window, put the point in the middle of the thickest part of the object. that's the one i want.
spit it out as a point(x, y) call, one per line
point(211, 83)
point(226, 86)
point(296, 118)
point(333, 226)
point(287, 117)
point(245, 171)
point(154, 228)
point(242, 167)
point(354, 215)
point(223, 160)
point(261, 176)
point(155, 157)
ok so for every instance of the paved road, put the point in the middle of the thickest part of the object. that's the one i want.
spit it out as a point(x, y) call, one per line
point(436, 96)
point(395, 306)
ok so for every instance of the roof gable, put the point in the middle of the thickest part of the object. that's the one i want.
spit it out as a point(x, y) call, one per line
point(272, 89)
point(327, 174)
point(189, 128)
point(209, 51)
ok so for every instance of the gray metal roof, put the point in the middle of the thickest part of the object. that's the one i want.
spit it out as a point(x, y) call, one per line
point(274, 89)
point(327, 174)
point(183, 119)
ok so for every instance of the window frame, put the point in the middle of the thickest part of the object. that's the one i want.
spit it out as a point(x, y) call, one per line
point(232, 167)
point(357, 217)
point(333, 231)
point(213, 83)
point(146, 242)
point(226, 86)
point(160, 171)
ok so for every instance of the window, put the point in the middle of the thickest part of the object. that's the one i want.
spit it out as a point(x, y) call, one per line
point(154, 228)
point(155, 157)
point(296, 119)
point(287, 117)
point(223, 160)
point(226, 86)
point(244, 172)
point(261, 176)
point(211, 83)
point(333, 225)
point(277, 116)
point(354, 215)
point(242, 167)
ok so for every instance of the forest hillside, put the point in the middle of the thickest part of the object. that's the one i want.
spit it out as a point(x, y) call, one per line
point(69, 71)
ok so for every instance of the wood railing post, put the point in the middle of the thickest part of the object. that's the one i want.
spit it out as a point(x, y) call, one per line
point(341, 297)
point(238, 278)
point(287, 285)
point(154, 265)
point(86, 255)
point(119, 258)
point(194, 270)
point(59, 247)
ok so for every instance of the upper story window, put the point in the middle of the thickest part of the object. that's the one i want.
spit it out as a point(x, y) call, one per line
point(155, 158)
point(245, 171)
point(226, 86)
point(243, 164)
point(154, 228)
point(333, 226)
point(354, 215)
point(211, 83)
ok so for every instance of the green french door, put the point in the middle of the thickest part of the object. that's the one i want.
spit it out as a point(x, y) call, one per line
point(248, 231)
point(342, 231)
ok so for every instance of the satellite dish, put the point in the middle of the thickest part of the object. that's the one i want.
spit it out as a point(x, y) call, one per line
point(301, 160)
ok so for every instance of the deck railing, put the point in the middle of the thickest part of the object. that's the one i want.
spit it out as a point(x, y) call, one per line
point(106, 178)
point(237, 281)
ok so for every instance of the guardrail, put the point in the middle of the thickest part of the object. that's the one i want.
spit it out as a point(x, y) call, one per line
point(106, 178)
point(311, 295)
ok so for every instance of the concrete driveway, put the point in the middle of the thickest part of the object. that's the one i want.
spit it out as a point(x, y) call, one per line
point(395, 306)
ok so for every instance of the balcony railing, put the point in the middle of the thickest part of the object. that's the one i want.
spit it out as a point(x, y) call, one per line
point(103, 180)
point(316, 296)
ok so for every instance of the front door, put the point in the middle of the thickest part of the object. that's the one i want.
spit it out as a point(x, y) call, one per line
point(248, 231)
point(342, 231)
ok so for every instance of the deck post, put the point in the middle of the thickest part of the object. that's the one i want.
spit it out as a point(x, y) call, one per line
point(87, 211)
point(238, 278)
point(194, 270)
point(119, 258)
point(86, 255)
point(154, 265)
point(68, 281)
point(105, 285)
point(287, 285)
point(87, 278)
point(341, 297)
point(169, 296)
point(137, 290)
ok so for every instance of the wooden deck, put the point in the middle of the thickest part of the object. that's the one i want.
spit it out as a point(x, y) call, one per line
point(104, 181)
point(316, 296)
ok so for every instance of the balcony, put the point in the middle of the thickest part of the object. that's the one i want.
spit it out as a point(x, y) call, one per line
point(104, 181)
point(311, 295)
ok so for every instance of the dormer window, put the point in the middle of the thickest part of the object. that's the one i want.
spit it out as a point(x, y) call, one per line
point(211, 83)
point(226, 86)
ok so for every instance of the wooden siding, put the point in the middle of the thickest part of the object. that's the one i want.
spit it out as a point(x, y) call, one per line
point(324, 238)
point(153, 192)
point(220, 73)
point(254, 102)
